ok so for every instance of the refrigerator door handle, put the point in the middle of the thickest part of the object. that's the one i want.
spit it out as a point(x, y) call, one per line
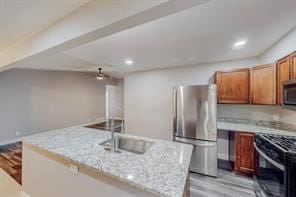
point(207, 144)
point(175, 112)
point(195, 142)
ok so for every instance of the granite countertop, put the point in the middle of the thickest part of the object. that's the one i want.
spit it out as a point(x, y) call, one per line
point(256, 126)
point(162, 170)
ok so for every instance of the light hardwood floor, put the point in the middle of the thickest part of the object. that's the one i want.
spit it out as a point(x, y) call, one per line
point(227, 184)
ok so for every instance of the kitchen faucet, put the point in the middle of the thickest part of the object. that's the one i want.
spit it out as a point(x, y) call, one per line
point(112, 144)
point(122, 127)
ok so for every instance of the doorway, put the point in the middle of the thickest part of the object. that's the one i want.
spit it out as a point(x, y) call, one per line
point(114, 102)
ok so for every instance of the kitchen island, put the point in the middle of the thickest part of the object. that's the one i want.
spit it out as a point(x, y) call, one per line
point(71, 162)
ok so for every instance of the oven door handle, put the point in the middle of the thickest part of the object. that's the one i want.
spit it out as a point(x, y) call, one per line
point(276, 164)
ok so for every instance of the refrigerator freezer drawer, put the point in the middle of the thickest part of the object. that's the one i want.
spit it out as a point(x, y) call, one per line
point(204, 156)
point(204, 160)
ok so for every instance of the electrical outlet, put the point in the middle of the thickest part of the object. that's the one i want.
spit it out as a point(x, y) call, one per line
point(74, 169)
point(17, 133)
point(275, 117)
point(88, 120)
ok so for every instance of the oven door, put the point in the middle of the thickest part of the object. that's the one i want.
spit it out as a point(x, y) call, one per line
point(269, 177)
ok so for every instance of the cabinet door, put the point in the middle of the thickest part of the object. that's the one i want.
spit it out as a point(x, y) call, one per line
point(244, 153)
point(293, 66)
point(233, 86)
point(283, 74)
point(263, 84)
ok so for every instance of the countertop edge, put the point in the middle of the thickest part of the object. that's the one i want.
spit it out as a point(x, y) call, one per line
point(241, 127)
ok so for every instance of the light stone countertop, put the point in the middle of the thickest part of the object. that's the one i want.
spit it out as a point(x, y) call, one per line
point(162, 170)
point(256, 126)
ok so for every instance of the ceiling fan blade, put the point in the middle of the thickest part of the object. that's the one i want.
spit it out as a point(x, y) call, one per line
point(107, 76)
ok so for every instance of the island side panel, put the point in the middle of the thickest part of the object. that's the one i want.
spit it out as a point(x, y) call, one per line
point(47, 175)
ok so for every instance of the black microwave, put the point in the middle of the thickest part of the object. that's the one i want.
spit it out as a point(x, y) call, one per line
point(289, 94)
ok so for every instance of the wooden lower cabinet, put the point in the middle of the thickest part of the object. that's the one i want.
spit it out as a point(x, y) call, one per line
point(244, 153)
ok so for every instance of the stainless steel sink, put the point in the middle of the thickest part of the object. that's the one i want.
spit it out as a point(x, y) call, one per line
point(136, 146)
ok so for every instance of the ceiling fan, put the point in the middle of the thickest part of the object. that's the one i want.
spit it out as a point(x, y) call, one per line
point(101, 75)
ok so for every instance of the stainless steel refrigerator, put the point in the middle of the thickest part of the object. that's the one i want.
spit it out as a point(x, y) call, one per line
point(195, 114)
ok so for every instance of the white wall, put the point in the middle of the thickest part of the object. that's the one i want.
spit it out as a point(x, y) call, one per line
point(280, 49)
point(32, 101)
point(149, 95)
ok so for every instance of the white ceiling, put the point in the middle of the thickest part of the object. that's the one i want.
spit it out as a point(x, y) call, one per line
point(60, 61)
point(198, 35)
point(201, 34)
point(20, 19)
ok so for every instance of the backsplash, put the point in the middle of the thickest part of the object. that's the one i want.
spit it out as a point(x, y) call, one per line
point(257, 112)
point(261, 123)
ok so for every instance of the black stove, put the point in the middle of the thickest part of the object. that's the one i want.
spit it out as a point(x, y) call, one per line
point(286, 143)
point(276, 165)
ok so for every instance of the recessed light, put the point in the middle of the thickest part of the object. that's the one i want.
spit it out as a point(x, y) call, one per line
point(129, 62)
point(239, 44)
point(130, 176)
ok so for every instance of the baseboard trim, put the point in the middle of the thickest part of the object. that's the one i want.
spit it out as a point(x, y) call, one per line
point(225, 164)
point(232, 158)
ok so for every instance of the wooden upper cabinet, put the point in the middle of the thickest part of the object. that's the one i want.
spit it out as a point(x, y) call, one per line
point(283, 74)
point(244, 153)
point(293, 65)
point(233, 86)
point(263, 84)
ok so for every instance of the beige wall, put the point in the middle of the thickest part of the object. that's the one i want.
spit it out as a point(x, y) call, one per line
point(33, 101)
